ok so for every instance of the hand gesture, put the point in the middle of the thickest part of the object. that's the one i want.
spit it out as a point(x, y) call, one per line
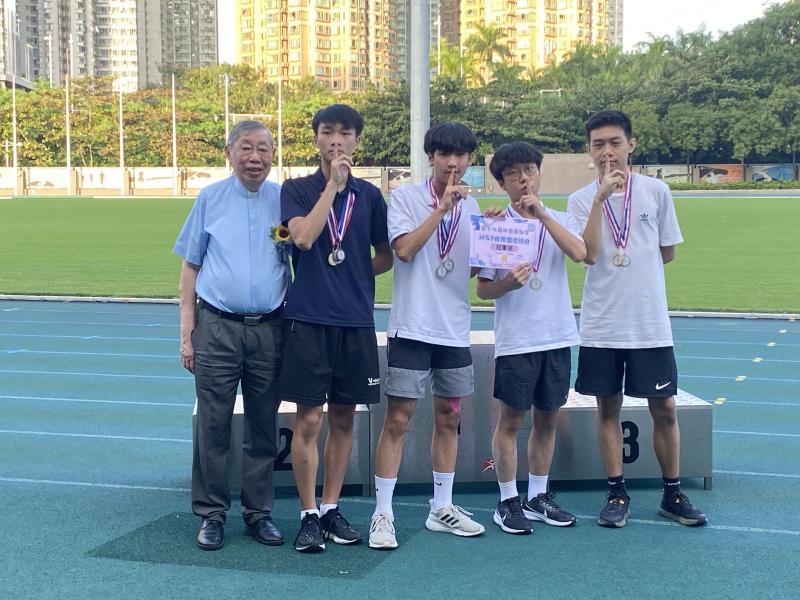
point(518, 276)
point(452, 193)
point(611, 182)
point(187, 354)
point(340, 167)
point(493, 212)
point(531, 203)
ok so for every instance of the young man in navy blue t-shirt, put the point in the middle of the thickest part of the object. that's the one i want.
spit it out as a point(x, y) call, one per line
point(331, 352)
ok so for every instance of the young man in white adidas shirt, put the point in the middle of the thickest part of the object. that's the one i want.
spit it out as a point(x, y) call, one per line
point(630, 229)
point(534, 330)
point(428, 330)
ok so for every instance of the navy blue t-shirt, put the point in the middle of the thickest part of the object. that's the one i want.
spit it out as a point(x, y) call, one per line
point(343, 295)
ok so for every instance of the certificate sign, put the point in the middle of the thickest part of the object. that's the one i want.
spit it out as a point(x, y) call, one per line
point(501, 242)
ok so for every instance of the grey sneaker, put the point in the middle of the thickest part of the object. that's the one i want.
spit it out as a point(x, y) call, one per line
point(381, 532)
point(453, 519)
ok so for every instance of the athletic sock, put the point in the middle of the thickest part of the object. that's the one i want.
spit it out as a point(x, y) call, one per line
point(442, 489)
point(617, 485)
point(324, 508)
point(672, 486)
point(384, 491)
point(312, 511)
point(508, 489)
point(537, 484)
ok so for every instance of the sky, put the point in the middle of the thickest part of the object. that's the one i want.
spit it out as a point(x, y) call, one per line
point(661, 17)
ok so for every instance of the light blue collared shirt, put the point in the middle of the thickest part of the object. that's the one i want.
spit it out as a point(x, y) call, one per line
point(227, 234)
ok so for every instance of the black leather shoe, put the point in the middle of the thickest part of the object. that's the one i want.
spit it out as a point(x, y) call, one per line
point(211, 534)
point(266, 532)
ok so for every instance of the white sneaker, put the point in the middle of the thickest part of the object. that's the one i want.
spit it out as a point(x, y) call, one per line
point(453, 519)
point(381, 532)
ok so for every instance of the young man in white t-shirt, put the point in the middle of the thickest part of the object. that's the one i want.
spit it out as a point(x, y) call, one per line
point(534, 328)
point(630, 229)
point(428, 330)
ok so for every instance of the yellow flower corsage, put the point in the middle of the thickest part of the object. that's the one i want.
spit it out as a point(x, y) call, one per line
point(280, 235)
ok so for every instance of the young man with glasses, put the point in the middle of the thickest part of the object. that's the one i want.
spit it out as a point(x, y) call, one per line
point(534, 329)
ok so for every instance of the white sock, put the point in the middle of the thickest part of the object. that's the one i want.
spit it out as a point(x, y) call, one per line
point(323, 508)
point(384, 491)
point(508, 489)
point(442, 489)
point(312, 511)
point(537, 484)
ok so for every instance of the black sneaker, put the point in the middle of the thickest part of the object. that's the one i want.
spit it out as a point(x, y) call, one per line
point(543, 507)
point(335, 527)
point(508, 515)
point(678, 508)
point(616, 511)
point(309, 538)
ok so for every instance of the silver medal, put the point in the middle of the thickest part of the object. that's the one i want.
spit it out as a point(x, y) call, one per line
point(336, 257)
point(618, 260)
point(441, 272)
point(535, 283)
point(626, 260)
point(448, 264)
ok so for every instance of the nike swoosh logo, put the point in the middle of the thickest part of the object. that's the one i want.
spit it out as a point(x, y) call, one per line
point(660, 386)
point(437, 483)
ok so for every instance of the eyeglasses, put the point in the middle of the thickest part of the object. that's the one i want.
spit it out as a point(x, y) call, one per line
point(515, 174)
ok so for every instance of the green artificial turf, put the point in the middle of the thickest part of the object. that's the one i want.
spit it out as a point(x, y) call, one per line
point(738, 253)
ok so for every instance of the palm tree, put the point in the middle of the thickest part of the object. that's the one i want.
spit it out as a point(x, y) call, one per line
point(486, 44)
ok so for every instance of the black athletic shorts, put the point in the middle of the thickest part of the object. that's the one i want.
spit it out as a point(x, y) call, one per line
point(324, 363)
point(539, 379)
point(648, 372)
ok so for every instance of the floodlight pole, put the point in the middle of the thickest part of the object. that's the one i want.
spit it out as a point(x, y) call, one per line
point(174, 143)
point(13, 28)
point(280, 128)
point(420, 76)
point(121, 142)
point(227, 120)
point(67, 119)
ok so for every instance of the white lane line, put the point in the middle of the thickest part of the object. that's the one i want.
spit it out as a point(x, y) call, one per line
point(81, 374)
point(84, 323)
point(114, 486)
point(664, 523)
point(757, 474)
point(88, 400)
point(768, 403)
point(760, 433)
point(765, 360)
point(733, 378)
point(25, 351)
point(678, 342)
point(93, 337)
point(95, 436)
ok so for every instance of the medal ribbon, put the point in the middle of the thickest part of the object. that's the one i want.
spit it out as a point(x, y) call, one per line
point(542, 231)
point(448, 228)
point(337, 228)
point(620, 234)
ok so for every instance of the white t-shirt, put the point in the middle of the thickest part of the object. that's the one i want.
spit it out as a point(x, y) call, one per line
point(626, 307)
point(528, 320)
point(425, 307)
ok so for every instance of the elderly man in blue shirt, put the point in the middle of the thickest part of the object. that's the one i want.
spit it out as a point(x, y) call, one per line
point(233, 282)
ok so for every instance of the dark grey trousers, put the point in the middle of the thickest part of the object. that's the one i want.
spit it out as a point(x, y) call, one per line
point(228, 352)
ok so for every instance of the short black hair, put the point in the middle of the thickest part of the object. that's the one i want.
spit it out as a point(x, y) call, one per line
point(511, 154)
point(338, 114)
point(448, 138)
point(609, 117)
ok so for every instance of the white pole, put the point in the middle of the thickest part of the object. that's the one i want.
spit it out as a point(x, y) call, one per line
point(227, 121)
point(14, 103)
point(420, 86)
point(280, 128)
point(67, 119)
point(439, 42)
point(121, 143)
point(50, 58)
point(174, 143)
